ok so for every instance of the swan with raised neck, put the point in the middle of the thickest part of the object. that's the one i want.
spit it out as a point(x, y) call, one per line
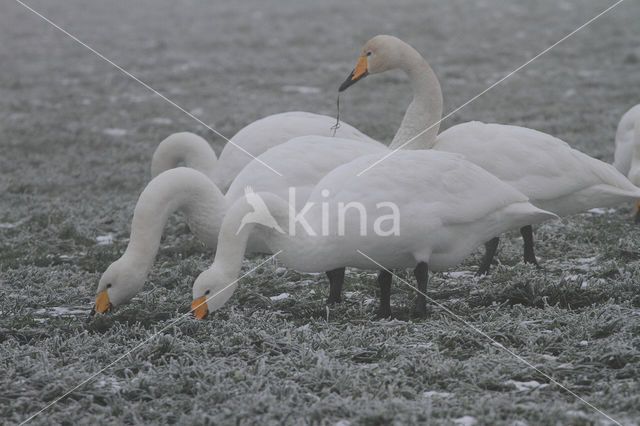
point(554, 176)
point(385, 52)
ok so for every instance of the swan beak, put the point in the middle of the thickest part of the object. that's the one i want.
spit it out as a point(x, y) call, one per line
point(199, 307)
point(102, 303)
point(358, 73)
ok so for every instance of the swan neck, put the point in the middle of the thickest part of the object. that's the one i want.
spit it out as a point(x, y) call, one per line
point(635, 159)
point(425, 110)
point(186, 149)
point(237, 227)
point(181, 189)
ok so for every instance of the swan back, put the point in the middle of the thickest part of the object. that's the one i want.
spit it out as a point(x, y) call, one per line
point(447, 206)
point(302, 161)
point(273, 130)
point(553, 175)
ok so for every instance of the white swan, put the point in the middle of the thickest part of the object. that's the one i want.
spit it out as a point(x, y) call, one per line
point(627, 154)
point(190, 191)
point(192, 151)
point(554, 176)
point(438, 220)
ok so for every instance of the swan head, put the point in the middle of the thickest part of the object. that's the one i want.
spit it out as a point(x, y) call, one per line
point(211, 290)
point(119, 283)
point(380, 54)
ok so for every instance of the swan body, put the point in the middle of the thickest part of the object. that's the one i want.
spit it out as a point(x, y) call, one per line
point(440, 220)
point(255, 138)
point(553, 175)
point(547, 170)
point(194, 194)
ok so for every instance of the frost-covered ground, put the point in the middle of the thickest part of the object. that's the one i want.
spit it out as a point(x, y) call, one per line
point(76, 137)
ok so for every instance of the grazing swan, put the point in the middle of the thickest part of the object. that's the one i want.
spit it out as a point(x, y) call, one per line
point(554, 176)
point(191, 192)
point(193, 151)
point(418, 209)
point(627, 154)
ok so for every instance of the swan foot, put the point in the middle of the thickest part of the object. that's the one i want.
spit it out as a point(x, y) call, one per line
point(336, 280)
point(491, 247)
point(384, 312)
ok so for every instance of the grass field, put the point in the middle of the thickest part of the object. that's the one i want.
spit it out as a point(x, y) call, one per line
point(76, 138)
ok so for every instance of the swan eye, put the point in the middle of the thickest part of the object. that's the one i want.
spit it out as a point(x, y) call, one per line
point(206, 293)
point(369, 53)
point(109, 285)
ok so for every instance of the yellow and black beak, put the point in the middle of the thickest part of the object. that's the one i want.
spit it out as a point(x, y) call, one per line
point(101, 305)
point(358, 73)
point(199, 307)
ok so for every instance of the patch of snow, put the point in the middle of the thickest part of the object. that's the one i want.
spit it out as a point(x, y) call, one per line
point(526, 386)
point(584, 284)
point(583, 343)
point(103, 240)
point(458, 274)
point(280, 271)
point(59, 311)
point(549, 357)
point(601, 211)
point(465, 421)
point(586, 259)
point(305, 90)
point(9, 225)
point(161, 120)
point(350, 294)
point(368, 301)
point(108, 382)
point(431, 394)
point(115, 132)
point(343, 422)
point(280, 296)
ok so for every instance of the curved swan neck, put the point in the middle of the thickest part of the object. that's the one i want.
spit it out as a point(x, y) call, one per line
point(182, 189)
point(187, 149)
point(635, 158)
point(235, 231)
point(426, 108)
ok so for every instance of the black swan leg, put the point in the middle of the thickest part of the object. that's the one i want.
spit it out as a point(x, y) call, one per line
point(527, 236)
point(422, 277)
point(491, 247)
point(336, 280)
